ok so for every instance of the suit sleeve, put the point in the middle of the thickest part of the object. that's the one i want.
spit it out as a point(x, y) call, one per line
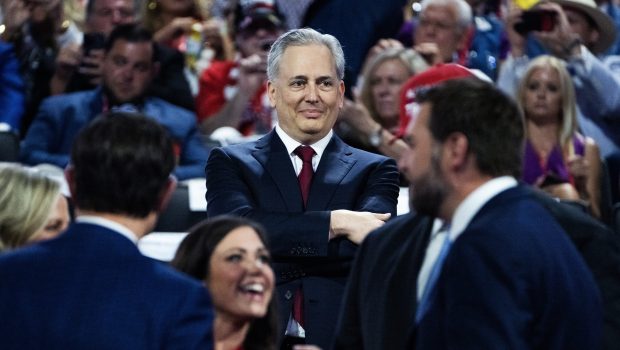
point(192, 324)
point(44, 136)
point(229, 193)
point(194, 156)
point(348, 331)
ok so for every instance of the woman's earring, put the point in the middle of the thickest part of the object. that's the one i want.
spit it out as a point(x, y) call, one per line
point(152, 5)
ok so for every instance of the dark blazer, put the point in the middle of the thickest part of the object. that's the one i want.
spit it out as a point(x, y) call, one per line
point(257, 180)
point(61, 117)
point(513, 280)
point(380, 300)
point(92, 289)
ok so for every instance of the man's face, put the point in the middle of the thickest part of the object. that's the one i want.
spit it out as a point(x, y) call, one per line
point(107, 14)
point(438, 24)
point(307, 93)
point(579, 24)
point(257, 41)
point(128, 69)
point(421, 165)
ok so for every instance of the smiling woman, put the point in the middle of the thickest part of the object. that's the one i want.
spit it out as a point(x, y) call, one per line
point(229, 254)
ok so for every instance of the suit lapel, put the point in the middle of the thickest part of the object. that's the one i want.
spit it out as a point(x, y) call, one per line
point(272, 155)
point(335, 164)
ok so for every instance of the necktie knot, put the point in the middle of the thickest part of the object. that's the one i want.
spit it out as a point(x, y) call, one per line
point(305, 153)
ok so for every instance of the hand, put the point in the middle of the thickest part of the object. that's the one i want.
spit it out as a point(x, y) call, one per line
point(430, 52)
point(176, 27)
point(355, 225)
point(91, 65)
point(559, 40)
point(252, 73)
point(67, 61)
point(356, 115)
point(516, 40)
point(579, 168)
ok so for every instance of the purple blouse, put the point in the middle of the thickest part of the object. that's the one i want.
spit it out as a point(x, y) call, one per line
point(555, 167)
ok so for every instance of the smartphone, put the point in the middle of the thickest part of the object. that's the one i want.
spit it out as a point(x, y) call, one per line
point(93, 41)
point(536, 20)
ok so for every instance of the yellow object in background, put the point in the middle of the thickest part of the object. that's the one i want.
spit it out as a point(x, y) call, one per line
point(525, 4)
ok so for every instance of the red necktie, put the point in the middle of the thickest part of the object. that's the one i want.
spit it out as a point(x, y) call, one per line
point(305, 175)
point(305, 179)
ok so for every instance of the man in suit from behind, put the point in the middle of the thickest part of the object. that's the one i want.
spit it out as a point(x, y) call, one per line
point(502, 274)
point(129, 65)
point(316, 225)
point(90, 288)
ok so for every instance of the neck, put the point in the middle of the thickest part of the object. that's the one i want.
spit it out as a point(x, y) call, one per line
point(543, 136)
point(462, 184)
point(139, 226)
point(229, 334)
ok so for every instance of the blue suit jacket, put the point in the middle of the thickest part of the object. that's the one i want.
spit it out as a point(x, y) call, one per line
point(11, 88)
point(257, 180)
point(513, 280)
point(92, 289)
point(61, 117)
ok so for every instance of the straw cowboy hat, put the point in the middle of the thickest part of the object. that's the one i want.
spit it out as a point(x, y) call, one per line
point(604, 23)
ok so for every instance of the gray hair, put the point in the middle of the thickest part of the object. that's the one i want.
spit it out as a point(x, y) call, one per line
point(303, 37)
point(462, 8)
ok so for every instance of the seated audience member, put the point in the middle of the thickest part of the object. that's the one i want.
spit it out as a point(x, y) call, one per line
point(372, 120)
point(182, 26)
point(229, 255)
point(32, 208)
point(36, 42)
point(79, 67)
point(317, 197)
point(233, 93)
point(580, 35)
point(11, 89)
point(129, 65)
point(91, 287)
point(557, 158)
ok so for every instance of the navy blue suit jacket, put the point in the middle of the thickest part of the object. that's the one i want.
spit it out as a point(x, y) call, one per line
point(92, 289)
point(513, 280)
point(61, 117)
point(258, 180)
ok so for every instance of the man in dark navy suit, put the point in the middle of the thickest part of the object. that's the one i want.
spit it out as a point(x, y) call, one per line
point(90, 288)
point(316, 209)
point(500, 273)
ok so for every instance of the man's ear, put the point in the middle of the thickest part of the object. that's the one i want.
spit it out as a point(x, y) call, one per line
point(456, 149)
point(166, 193)
point(271, 91)
point(70, 178)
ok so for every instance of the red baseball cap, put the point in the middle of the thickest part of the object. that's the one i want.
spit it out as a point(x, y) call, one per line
point(424, 80)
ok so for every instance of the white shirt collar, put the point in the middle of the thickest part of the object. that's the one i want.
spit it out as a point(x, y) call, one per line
point(291, 145)
point(109, 224)
point(474, 202)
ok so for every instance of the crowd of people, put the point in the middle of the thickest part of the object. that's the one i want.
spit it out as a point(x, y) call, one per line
point(504, 128)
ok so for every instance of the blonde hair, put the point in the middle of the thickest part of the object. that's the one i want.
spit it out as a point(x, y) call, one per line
point(408, 57)
point(568, 123)
point(26, 199)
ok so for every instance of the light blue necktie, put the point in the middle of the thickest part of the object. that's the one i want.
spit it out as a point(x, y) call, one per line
point(428, 294)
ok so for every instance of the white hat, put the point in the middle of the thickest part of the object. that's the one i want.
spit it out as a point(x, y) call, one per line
point(604, 23)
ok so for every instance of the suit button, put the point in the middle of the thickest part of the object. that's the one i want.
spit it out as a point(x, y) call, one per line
point(288, 295)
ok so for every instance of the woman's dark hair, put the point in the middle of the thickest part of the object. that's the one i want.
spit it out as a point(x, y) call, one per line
point(193, 256)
